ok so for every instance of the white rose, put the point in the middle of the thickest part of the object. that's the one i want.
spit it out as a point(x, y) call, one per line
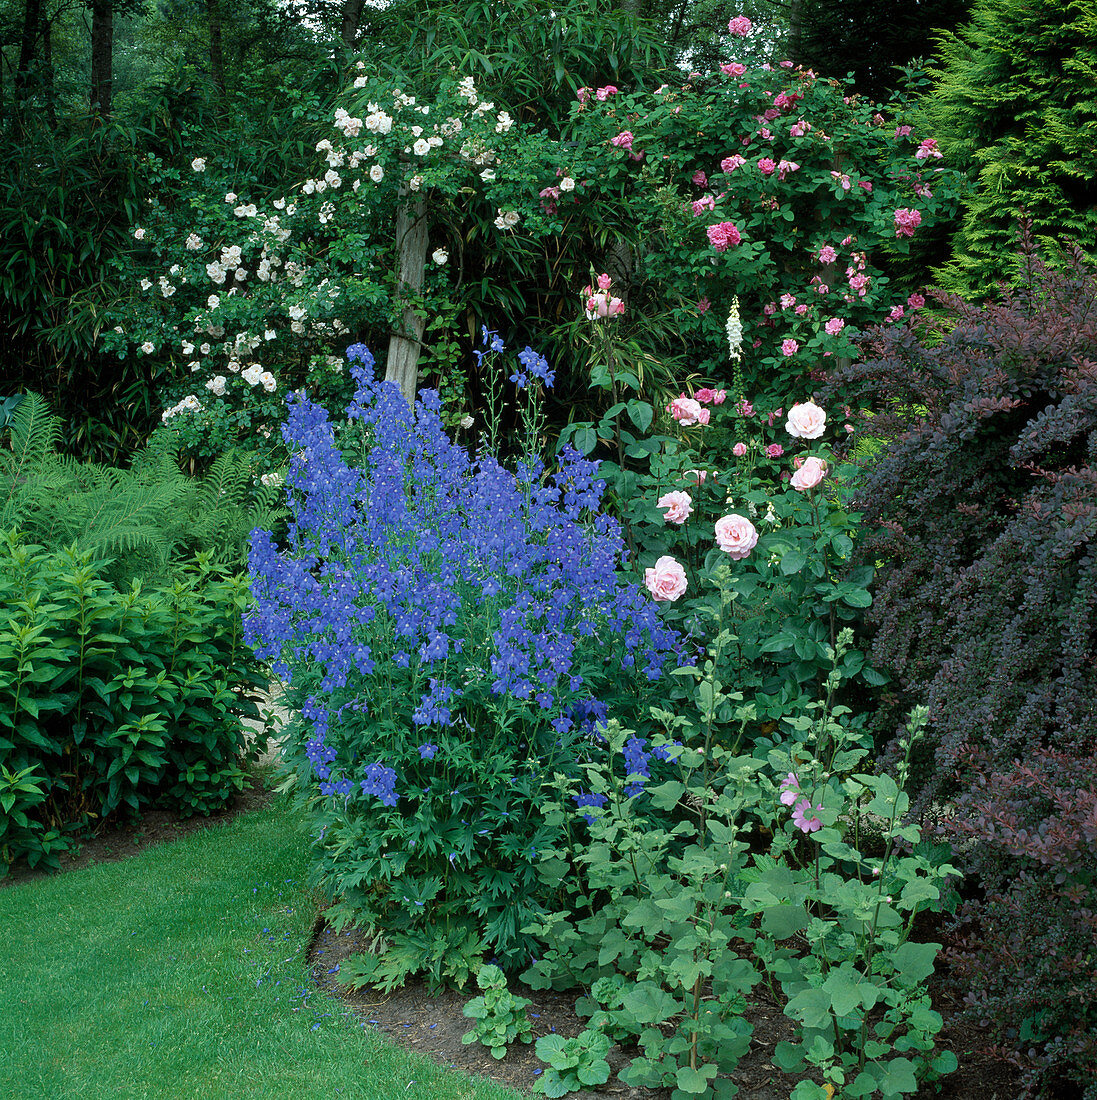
point(198, 164)
point(440, 256)
point(148, 347)
point(231, 197)
point(567, 184)
point(376, 173)
point(806, 421)
point(217, 384)
point(421, 147)
point(139, 234)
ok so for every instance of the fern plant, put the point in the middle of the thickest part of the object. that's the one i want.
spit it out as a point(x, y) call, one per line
point(147, 519)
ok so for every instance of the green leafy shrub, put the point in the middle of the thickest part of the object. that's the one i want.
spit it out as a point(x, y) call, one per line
point(574, 1064)
point(500, 1016)
point(112, 702)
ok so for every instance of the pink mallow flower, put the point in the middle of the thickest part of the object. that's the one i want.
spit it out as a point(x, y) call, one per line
point(676, 506)
point(736, 535)
point(722, 235)
point(740, 26)
point(803, 816)
point(790, 789)
point(812, 470)
point(906, 221)
point(666, 581)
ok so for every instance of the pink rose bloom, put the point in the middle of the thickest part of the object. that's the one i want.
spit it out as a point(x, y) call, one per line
point(769, 309)
point(803, 816)
point(722, 235)
point(744, 408)
point(705, 396)
point(790, 787)
point(604, 281)
point(927, 150)
point(785, 167)
point(604, 93)
point(809, 475)
point(667, 580)
point(896, 313)
point(801, 309)
point(699, 178)
point(788, 301)
point(687, 411)
point(699, 206)
point(719, 397)
point(806, 421)
point(859, 283)
point(739, 450)
point(676, 506)
point(843, 179)
point(774, 450)
point(799, 129)
point(789, 347)
point(822, 288)
point(767, 166)
point(740, 26)
point(834, 326)
point(770, 114)
point(827, 255)
point(729, 164)
point(623, 140)
point(732, 68)
point(782, 101)
point(583, 94)
point(906, 221)
point(736, 536)
point(902, 131)
point(916, 301)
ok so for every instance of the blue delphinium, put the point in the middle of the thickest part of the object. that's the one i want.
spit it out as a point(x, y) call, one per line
point(452, 634)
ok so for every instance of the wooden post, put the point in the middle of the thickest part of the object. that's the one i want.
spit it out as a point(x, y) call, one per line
point(402, 363)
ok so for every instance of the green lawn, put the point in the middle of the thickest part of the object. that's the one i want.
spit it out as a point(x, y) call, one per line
point(181, 973)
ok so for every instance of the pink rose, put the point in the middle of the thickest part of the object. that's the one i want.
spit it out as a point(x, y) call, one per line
point(699, 206)
point(667, 580)
point(806, 421)
point(583, 94)
point(676, 506)
point(927, 150)
point(719, 397)
point(789, 347)
point(744, 408)
point(740, 26)
point(687, 411)
point(767, 166)
point(906, 221)
point(902, 131)
point(729, 164)
point(834, 326)
point(784, 167)
point(732, 68)
point(916, 301)
point(623, 140)
point(809, 475)
point(699, 178)
point(775, 450)
point(604, 93)
point(827, 255)
point(739, 449)
point(722, 235)
point(735, 535)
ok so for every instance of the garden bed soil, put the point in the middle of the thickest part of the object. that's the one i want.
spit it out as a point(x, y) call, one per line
point(433, 1024)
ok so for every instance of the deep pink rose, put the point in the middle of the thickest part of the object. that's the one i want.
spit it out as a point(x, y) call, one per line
point(775, 450)
point(809, 475)
point(676, 506)
point(767, 166)
point(740, 26)
point(666, 581)
point(736, 535)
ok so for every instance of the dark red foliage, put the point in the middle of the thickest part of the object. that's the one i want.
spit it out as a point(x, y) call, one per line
point(980, 513)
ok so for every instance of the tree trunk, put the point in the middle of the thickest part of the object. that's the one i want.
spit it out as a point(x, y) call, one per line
point(352, 11)
point(795, 31)
point(28, 41)
point(402, 364)
point(216, 56)
point(47, 73)
point(102, 56)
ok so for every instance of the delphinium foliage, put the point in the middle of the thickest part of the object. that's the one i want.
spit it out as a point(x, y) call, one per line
point(982, 509)
point(450, 632)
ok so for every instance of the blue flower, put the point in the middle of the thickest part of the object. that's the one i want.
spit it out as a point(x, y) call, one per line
point(428, 751)
point(582, 800)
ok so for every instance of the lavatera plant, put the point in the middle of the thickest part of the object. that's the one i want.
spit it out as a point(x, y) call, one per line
point(784, 869)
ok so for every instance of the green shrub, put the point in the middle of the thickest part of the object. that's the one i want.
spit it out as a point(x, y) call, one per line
point(112, 702)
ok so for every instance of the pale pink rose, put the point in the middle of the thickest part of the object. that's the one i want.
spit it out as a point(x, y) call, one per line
point(739, 449)
point(809, 475)
point(688, 412)
point(719, 397)
point(834, 326)
point(676, 506)
point(736, 535)
point(604, 93)
point(604, 281)
point(806, 421)
point(667, 580)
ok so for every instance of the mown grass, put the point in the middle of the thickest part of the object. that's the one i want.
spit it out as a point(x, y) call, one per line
point(181, 973)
